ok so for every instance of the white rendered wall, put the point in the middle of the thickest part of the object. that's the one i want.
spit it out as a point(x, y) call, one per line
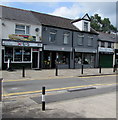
point(9, 28)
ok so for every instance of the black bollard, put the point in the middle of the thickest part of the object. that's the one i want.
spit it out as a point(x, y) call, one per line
point(100, 69)
point(43, 98)
point(23, 72)
point(56, 73)
point(1, 89)
point(82, 70)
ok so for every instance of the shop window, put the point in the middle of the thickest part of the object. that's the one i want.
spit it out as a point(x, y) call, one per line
point(52, 37)
point(85, 26)
point(80, 39)
point(63, 58)
point(78, 58)
point(27, 54)
point(90, 41)
point(22, 29)
point(88, 59)
point(66, 38)
point(8, 53)
point(17, 54)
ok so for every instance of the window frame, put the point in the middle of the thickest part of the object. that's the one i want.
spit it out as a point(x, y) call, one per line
point(91, 39)
point(80, 36)
point(85, 27)
point(25, 29)
point(66, 35)
point(53, 33)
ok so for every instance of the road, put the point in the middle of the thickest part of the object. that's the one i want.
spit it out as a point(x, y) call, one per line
point(25, 87)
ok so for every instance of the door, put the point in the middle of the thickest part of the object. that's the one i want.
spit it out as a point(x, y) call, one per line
point(35, 59)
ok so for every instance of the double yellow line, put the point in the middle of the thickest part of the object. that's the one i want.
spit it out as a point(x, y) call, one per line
point(55, 89)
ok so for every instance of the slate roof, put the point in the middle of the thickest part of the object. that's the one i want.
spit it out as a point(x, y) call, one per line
point(38, 18)
point(107, 37)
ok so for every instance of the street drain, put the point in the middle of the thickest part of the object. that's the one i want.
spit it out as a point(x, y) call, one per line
point(80, 89)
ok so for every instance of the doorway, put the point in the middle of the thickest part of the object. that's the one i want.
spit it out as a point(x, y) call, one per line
point(35, 56)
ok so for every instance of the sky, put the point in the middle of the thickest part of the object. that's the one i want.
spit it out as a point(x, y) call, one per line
point(71, 9)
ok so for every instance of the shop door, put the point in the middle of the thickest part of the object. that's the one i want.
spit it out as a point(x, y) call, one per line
point(35, 59)
point(106, 61)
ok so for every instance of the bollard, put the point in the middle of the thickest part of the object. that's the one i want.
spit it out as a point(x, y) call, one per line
point(43, 98)
point(1, 89)
point(82, 69)
point(99, 69)
point(23, 72)
point(114, 68)
point(56, 73)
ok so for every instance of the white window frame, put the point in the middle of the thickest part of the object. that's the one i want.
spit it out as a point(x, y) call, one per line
point(54, 33)
point(22, 57)
point(90, 38)
point(80, 36)
point(25, 30)
point(67, 37)
point(86, 27)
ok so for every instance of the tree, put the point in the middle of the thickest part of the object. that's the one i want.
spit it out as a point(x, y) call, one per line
point(102, 25)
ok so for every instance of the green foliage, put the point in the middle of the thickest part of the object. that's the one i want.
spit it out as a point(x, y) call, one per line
point(102, 25)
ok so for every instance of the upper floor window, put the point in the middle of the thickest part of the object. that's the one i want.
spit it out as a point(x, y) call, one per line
point(86, 26)
point(80, 39)
point(102, 44)
point(109, 45)
point(66, 38)
point(90, 41)
point(22, 29)
point(52, 36)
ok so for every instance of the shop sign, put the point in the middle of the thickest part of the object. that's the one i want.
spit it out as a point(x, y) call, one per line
point(24, 44)
point(22, 37)
point(101, 49)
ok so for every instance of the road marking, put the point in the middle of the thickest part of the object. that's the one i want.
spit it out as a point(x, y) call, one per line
point(28, 79)
point(55, 89)
point(96, 76)
point(57, 77)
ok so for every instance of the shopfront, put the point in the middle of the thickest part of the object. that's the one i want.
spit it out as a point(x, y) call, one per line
point(21, 53)
point(56, 55)
point(106, 57)
point(87, 57)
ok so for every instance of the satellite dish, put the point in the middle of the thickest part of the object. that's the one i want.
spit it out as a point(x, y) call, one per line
point(37, 29)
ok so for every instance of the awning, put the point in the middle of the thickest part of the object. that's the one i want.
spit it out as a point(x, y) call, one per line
point(85, 50)
point(57, 48)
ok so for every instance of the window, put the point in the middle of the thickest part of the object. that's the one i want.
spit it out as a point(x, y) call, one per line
point(86, 26)
point(52, 36)
point(90, 41)
point(78, 58)
point(80, 39)
point(63, 58)
point(102, 44)
point(22, 29)
point(18, 54)
point(66, 38)
point(88, 59)
point(109, 45)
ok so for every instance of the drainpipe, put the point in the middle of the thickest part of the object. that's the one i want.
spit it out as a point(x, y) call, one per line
point(73, 52)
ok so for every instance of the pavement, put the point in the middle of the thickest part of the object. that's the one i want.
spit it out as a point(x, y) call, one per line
point(99, 106)
point(50, 73)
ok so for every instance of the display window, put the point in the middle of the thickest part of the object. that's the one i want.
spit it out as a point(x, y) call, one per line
point(78, 58)
point(17, 54)
point(88, 59)
point(63, 58)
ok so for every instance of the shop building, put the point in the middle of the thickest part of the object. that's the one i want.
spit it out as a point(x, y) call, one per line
point(38, 40)
point(106, 49)
point(20, 39)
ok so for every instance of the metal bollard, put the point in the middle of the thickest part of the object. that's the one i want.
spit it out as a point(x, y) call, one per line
point(56, 73)
point(23, 72)
point(99, 69)
point(1, 89)
point(82, 70)
point(43, 98)
point(114, 68)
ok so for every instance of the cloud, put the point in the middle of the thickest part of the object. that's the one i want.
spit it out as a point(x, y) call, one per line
point(76, 10)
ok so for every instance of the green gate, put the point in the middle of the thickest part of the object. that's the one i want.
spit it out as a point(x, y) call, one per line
point(106, 61)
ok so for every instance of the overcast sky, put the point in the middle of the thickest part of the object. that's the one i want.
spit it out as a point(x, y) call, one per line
point(70, 9)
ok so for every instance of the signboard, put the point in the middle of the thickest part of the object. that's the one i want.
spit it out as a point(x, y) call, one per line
point(101, 49)
point(23, 44)
point(22, 37)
